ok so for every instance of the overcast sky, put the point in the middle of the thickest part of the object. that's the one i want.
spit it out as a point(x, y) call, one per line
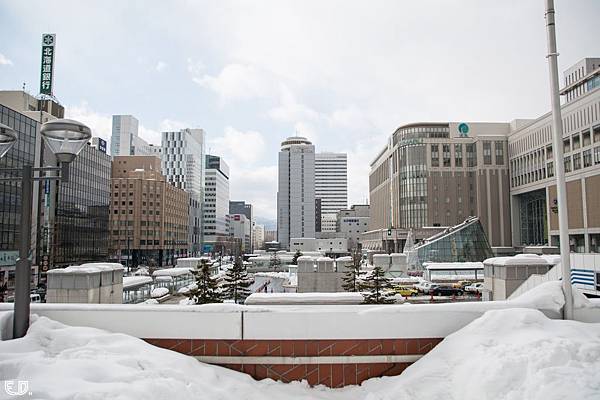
point(343, 73)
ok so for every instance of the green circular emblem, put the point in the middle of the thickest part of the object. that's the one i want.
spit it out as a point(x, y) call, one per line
point(463, 129)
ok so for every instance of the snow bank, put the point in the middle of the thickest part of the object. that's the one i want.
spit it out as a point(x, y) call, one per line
point(305, 298)
point(62, 362)
point(133, 281)
point(6, 325)
point(508, 354)
point(177, 271)
point(159, 292)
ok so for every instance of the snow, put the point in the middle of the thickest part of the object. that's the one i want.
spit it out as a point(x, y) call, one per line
point(453, 266)
point(519, 259)
point(150, 301)
point(305, 298)
point(177, 271)
point(159, 292)
point(133, 281)
point(507, 354)
point(88, 268)
point(273, 274)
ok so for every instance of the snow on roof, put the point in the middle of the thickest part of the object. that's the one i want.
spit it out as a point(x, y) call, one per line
point(519, 259)
point(305, 298)
point(324, 259)
point(306, 258)
point(344, 259)
point(177, 271)
point(452, 266)
point(133, 281)
point(87, 268)
point(159, 292)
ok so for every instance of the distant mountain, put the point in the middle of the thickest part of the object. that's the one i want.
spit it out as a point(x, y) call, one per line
point(270, 224)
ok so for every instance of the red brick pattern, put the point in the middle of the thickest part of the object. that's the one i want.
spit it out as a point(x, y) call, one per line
point(332, 375)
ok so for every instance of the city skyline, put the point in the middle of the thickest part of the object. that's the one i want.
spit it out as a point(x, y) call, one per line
point(285, 71)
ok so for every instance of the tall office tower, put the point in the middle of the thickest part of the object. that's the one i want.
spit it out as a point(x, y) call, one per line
point(331, 186)
point(183, 165)
point(216, 205)
point(296, 190)
point(258, 236)
point(125, 140)
point(241, 207)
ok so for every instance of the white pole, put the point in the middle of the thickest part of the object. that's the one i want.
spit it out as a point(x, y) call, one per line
point(559, 169)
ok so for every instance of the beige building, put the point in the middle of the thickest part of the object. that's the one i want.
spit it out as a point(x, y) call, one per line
point(148, 216)
point(439, 174)
point(533, 190)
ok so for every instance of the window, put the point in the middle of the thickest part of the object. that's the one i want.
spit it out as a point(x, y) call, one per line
point(587, 140)
point(596, 134)
point(548, 152)
point(576, 141)
point(576, 161)
point(458, 155)
point(597, 155)
point(471, 155)
point(446, 154)
point(487, 152)
point(566, 145)
point(499, 148)
point(435, 155)
point(550, 169)
point(568, 164)
point(587, 158)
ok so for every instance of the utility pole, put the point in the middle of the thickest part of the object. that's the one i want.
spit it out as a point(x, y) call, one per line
point(559, 168)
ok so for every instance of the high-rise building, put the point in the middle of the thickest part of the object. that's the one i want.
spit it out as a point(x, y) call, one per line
point(296, 190)
point(183, 164)
point(125, 140)
point(240, 230)
point(216, 205)
point(439, 174)
point(258, 236)
point(148, 216)
point(331, 186)
point(241, 207)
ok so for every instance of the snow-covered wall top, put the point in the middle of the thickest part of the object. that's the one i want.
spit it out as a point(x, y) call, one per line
point(235, 322)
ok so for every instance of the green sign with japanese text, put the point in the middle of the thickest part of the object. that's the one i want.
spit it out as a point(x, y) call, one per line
point(47, 70)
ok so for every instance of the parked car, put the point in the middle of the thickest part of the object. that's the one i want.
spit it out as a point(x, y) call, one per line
point(406, 291)
point(462, 284)
point(474, 288)
point(446, 291)
point(425, 286)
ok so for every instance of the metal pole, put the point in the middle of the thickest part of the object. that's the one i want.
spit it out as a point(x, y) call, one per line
point(559, 168)
point(23, 265)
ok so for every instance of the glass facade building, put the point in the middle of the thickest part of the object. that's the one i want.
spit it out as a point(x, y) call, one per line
point(21, 154)
point(533, 219)
point(461, 243)
point(82, 206)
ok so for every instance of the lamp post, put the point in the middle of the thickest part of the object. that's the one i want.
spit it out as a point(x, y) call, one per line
point(65, 138)
point(559, 168)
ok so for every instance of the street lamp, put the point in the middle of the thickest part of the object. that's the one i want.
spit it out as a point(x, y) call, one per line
point(65, 138)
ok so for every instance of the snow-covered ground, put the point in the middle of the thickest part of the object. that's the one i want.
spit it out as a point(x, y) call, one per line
point(510, 354)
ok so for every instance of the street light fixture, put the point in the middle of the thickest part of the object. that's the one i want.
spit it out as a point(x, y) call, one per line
point(65, 138)
point(8, 138)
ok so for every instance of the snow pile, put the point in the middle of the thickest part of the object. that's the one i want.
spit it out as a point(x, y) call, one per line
point(62, 362)
point(159, 292)
point(508, 354)
point(133, 281)
point(273, 274)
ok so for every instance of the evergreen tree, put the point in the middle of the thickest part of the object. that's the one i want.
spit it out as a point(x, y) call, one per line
point(275, 262)
point(296, 256)
point(352, 276)
point(207, 290)
point(378, 288)
point(237, 282)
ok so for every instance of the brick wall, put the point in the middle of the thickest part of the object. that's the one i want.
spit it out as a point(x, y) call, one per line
point(334, 363)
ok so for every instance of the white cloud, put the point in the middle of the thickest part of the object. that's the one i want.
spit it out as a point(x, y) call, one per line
point(171, 125)
point(239, 147)
point(236, 82)
point(161, 65)
point(100, 124)
point(4, 60)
